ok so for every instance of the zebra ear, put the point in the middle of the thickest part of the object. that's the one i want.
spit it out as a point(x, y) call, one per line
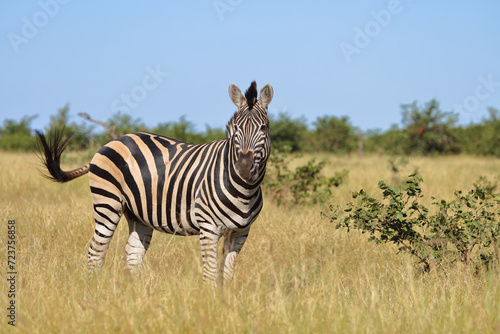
point(235, 95)
point(266, 95)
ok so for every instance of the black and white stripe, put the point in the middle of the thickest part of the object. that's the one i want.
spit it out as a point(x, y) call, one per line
point(162, 184)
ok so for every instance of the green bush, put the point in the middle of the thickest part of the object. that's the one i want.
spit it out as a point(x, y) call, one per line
point(16, 135)
point(334, 134)
point(429, 129)
point(185, 131)
point(305, 185)
point(466, 229)
point(287, 132)
point(481, 138)
point(17, 142)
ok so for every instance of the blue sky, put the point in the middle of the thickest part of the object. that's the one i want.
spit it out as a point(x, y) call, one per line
point(159, 60)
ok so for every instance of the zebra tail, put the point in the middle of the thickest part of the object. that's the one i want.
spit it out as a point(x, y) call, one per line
point(50, 151)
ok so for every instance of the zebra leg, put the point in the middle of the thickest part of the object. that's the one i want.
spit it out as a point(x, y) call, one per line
point(106, 219)
point(233, 242)
point(208, 241)
point(137, 244)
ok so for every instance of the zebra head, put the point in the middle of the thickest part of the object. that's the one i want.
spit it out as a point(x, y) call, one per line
point(249, 129)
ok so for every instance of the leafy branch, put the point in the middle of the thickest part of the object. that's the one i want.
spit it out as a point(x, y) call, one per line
point(304, 185)
point(466, 229)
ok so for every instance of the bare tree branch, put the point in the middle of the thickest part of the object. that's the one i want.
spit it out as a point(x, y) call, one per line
point(110, 132)
point(116, 122)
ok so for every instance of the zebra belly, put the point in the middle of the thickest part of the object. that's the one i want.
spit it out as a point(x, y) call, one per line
point(170, 212)
point(175, 218)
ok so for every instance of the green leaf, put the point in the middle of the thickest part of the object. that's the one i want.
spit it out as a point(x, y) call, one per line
point(400, 217)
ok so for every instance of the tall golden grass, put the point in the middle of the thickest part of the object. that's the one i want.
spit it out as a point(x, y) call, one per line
point(296, 274)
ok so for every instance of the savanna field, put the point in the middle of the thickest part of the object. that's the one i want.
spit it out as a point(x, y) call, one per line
point(295, 274)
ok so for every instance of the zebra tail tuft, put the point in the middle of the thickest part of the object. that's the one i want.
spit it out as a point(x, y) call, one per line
point(49, 153)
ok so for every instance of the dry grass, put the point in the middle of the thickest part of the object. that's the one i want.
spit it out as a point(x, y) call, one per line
point(296, 274)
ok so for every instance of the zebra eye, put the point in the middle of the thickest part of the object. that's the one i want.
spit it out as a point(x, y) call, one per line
point(264, 128)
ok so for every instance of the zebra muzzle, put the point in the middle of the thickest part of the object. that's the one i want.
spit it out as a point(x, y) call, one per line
point(245, 164)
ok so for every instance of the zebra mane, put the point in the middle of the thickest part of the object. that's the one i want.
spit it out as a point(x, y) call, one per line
point(251, 95)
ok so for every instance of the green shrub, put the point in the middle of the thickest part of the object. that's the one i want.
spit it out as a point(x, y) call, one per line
point(304, 185)
point(286, 131)
point(466, 229)
point(17, 142)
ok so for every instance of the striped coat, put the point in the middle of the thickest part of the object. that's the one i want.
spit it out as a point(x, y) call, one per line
point(158, 183)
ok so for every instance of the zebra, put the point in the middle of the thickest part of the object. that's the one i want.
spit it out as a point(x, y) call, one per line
point(212, 190)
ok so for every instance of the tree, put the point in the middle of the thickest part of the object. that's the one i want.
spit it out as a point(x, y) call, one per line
point(287, 132)
point(182, 130)
point(16, 135)
point(482, 138)
point(490, 138)
point(391, 141)
point(212, 134)
point(334, 134)
point(125, 123)
point(13, 127)
point(429, 128)
point(79, 133)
